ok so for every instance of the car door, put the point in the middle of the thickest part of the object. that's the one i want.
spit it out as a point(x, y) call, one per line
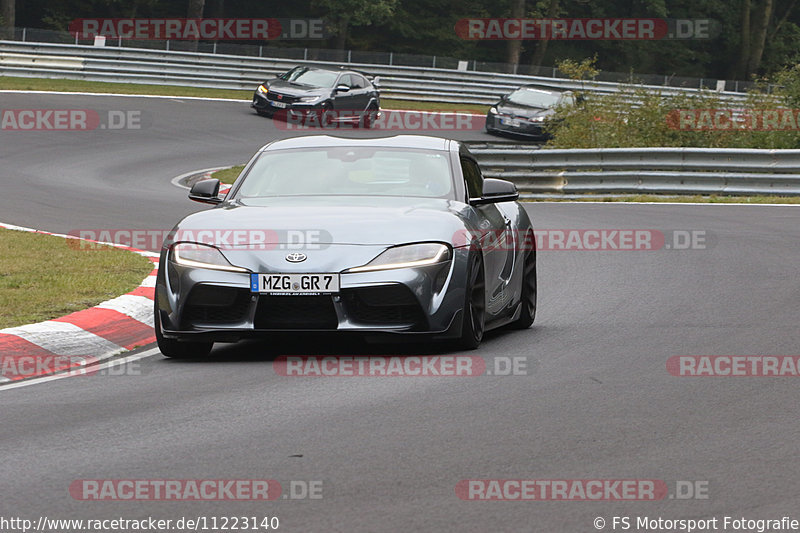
point(498, 242)
point(344, 101)
point(361, 91)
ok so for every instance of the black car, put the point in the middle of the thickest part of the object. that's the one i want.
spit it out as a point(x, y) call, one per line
point(316, 94)
point(526, 110)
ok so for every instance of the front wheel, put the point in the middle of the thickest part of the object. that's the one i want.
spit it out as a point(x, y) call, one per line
point(474, 316)
point(368, 119)
point(179, 350)
point(528, 293)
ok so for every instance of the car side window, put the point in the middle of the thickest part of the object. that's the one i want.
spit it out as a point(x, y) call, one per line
point(473, 178)
point(345, 80)
point(358, 82)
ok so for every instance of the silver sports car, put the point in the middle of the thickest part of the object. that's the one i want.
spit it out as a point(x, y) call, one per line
point(395, 235)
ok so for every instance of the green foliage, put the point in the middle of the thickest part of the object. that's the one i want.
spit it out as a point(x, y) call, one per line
point(635, 117)
point(585, 69)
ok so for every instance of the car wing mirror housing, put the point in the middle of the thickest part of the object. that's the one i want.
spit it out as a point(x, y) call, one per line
point(496, 191)
point(206, 192)
point(342, 88)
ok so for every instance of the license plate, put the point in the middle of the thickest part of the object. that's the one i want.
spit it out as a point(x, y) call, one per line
point(294, 284)
point(510, 122)
point(281, 105)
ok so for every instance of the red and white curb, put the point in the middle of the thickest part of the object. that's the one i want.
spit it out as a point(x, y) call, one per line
point(84, 337)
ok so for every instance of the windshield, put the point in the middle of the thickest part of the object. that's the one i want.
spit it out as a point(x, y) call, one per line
point(311, 77)
point(352, 171)
point(534, 98)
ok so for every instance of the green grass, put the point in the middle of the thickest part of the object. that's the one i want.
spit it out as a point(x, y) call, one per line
point(228, 175)
point(679, 199)
point(44, 277)
point(59, 85)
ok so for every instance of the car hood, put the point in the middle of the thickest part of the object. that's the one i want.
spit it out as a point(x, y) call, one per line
point(509, 108)
point(289, 89)
point(367, 221)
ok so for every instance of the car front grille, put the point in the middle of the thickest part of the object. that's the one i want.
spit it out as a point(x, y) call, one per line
point(286, 99)
point(295, 312)
point(209, 304)
point(390, 305)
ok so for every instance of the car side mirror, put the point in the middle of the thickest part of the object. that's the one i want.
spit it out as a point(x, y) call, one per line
point(342, 88)
point(376, 81)
point(495, 191)
point(206, 192)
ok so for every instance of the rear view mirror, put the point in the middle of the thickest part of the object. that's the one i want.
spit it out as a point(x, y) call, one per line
point(206, 191)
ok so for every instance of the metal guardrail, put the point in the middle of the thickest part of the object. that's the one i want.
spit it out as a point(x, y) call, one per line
point(678, 171)
point(139, 65)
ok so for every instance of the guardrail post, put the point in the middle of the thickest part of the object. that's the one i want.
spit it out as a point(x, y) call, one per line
point(391, 56)
point(305, 54)
point(215, 48)
point(119, 42)
point(24, 31)
point(349, 56)
point(167, 45)
point(260, 49)
point(434, 62)
point(76, 38)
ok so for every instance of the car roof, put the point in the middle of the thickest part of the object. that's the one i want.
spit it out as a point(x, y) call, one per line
point(331, 69)
point(420, 142)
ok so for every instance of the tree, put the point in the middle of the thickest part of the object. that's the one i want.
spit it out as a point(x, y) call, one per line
point(8, 17)
point(195, 11)
point(541, 46)
point(343, 14)
point(515, 46)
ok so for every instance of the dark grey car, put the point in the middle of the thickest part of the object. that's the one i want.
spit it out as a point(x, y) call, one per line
point(526, 111)
point(321, 96)
point(396, 235)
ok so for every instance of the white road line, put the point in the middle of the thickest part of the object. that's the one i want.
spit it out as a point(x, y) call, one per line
point(161, 96)
point(121, 361)
point(137, 307)
point(149, 281)
point(63, 338)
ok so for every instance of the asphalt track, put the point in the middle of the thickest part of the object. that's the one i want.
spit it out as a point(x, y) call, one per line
point(597, 401)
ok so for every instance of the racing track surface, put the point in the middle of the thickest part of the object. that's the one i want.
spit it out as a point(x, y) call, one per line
point(597, 401)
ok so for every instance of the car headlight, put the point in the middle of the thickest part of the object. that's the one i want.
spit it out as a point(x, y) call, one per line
point(310, 98)
point(410, 255)
point(202, 256)
point(537, 119)
point(262, 89)
point(492, 110)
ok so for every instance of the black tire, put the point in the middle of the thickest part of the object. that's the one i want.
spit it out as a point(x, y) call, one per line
point(474, 317)
point(528, 299)
point(179, 350)
point(326, 117)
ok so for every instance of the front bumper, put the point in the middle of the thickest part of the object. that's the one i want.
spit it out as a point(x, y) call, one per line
point(503, 124)
point(210, 305)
